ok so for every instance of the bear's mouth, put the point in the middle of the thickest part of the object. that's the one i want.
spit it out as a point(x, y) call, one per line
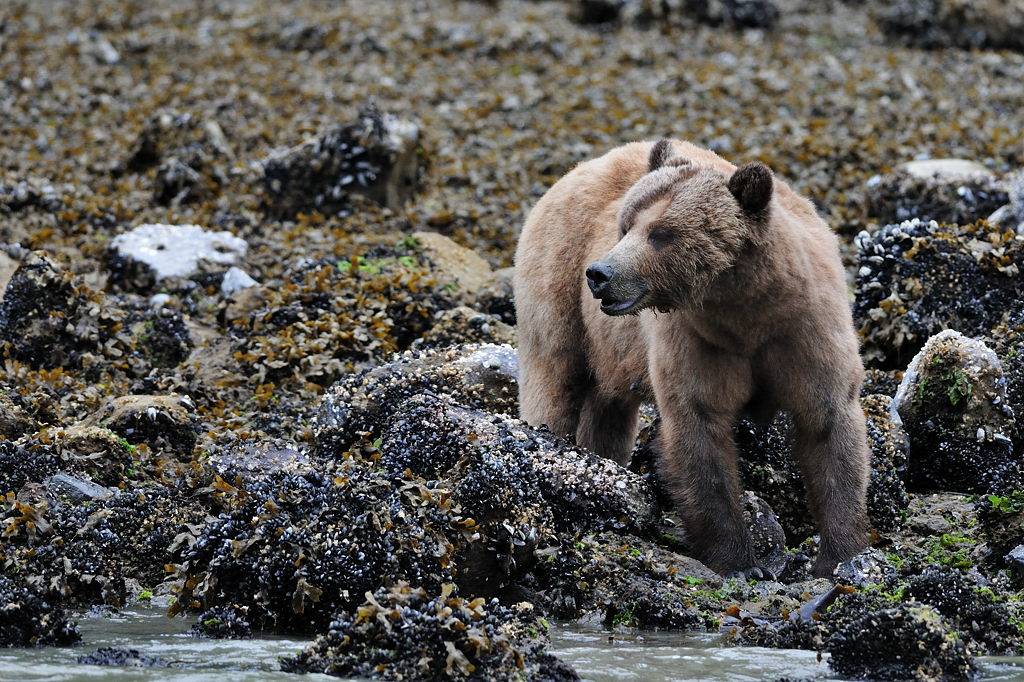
point(623, 307)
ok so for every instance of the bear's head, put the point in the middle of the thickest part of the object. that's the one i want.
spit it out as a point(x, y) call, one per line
point(681, 226)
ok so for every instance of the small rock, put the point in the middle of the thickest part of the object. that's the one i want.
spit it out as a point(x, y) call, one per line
point(159, 421)
point(151, 253)
point(236, 279)
point(946, 190)
point(766, 533)
point(463, 268)
point(464, 325)
point(77, 489)
point(1015, 560)
point(15, 422)
point(124, 658)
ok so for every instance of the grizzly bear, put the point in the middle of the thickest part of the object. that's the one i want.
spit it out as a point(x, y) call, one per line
point(660, 270)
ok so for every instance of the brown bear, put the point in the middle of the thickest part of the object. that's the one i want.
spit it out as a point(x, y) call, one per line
point(659, 269)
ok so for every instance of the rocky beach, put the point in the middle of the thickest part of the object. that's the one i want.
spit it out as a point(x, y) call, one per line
point(259, 350)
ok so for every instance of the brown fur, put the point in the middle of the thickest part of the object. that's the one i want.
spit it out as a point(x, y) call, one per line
point(740, 298)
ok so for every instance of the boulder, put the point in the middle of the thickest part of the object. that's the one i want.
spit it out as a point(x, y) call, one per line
point(32, 619)
point(463, 325)
point(223, 622)
point(954, 191)
point(377, 155)
point(918, 278)
point(153, 253)
point(890, 450)
point(767, 534)
point(993, 24)
point(462, 269)
point(952, 402)
point(161, 421)
point(482, 377)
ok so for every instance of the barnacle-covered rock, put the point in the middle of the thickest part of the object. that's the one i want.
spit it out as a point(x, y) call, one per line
point(918, 278)
point(945, 190)
point(480, 376)
point(906, 641)
point(519, 486)
point(1011, 216)
point(1001, 523)
point(161, 421)
point(462, 325)
point(28, 618)
point(153, 253)
point(96, 451)
point(766, 533)
point(414, 633)
point(190, 152)
point(997, 24)
point(15, 422)
point(377, 155)
point(952, 402)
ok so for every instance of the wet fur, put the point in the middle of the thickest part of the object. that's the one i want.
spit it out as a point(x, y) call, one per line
point(756, 305)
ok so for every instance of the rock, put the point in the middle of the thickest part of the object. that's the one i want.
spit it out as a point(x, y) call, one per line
point(994, 24)
point(79, 490)
point(463, 325)
point(377, 155)
point(1015, 560)
point(917, 279)
point(734, 13)
point(590, 12)
point(159, 421)
point(483, 377)
point(123, 658)
point(521, 487)
point(906, 642)
point(767, 534)
point(190, 153)
point(15, 422)
point(945, 190)
point(162, 337)
point(890, 449)
point(41, 300)
point(27, 618)
point(150, 254)
point(177, 183)
point(1001, 521)
point(235, 280)
point(223, 622)
point(8, 266)
point(498, 298)
point(92, 44)
point(1011, 216)
point(467, 272)
point(20, 465)
point(870, 567)
point(30, 193)
point(952, 402)
point(410, 633)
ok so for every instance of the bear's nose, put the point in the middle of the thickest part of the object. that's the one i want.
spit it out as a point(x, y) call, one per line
point(598, 276)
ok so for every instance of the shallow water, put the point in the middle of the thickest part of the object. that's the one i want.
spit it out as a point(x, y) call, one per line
point(597, 654)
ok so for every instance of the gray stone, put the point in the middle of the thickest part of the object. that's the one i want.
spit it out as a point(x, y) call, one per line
point(152, 253)
point(78, 489)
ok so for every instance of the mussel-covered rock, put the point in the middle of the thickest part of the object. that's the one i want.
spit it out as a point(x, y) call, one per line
point(161, 421)
point(412, 633)
point(952, 402)
point(30, 619)
point(223, 622)
point(918, 278)
point(945, 190)
point(995, 24)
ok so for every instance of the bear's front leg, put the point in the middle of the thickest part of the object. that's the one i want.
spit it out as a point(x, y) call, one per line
point(700, 392)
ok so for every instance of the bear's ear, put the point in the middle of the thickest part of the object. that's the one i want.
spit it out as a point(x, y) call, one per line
point(752, 187)
point(660, 152)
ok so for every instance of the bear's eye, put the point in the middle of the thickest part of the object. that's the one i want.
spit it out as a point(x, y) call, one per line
point(660, 237)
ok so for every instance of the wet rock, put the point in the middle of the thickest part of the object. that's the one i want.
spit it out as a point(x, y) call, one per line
point(407, 632)
point(498, 297)
point(235, 280)
point(1001, 520)
point(482, 377)
point(918, 278)
point(952, 402)
point(95, 451)
point(464, 270)
point(907, 642)
point(30, 619)
point(890, 449)
point(870, 567)
point(162, 337)
point(377, 155)
point(162, 422)
point(223, 622)
point(1015, 560)
point(945, 190)
point(995, 24)
point(77, 489)
point(15, 422)
point(20, 465)
point(151, 254)
point(190, 153)
point(124, 658)
point(462, 325)
point(767, 534)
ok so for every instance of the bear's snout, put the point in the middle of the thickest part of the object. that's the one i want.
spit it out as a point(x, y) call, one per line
point(599, 274)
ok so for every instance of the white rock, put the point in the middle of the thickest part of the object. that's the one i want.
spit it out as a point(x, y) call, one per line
point(950, 170)
point(236, 279)
point(178, 250)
